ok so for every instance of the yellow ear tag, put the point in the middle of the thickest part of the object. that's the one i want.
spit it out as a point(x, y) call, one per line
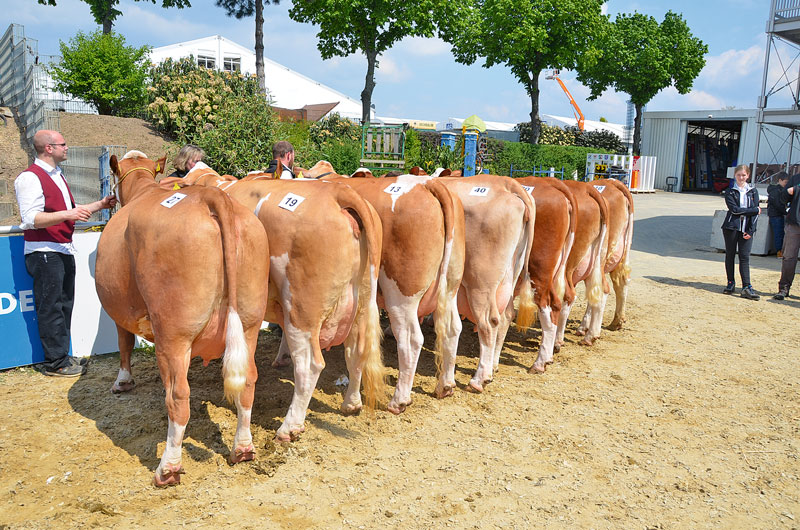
point(158, 168)
point(300, 176)
point(176, 186)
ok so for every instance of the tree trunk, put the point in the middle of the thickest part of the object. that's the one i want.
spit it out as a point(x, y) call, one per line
point(637, 130)
point(369, 86)
point(536, 124)
point(107, 23)
point(262, 82)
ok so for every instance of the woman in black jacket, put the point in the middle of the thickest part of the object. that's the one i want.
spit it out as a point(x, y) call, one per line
point(738, 229)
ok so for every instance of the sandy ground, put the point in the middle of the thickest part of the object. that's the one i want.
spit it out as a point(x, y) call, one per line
point(688, 418)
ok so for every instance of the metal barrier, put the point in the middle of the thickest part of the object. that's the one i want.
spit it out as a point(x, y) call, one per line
point(88, 173)
point(541, 172)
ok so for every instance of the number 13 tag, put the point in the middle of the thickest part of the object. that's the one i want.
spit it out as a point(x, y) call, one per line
point(291, 202)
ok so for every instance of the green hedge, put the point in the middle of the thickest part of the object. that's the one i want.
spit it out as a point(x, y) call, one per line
point(527, 157)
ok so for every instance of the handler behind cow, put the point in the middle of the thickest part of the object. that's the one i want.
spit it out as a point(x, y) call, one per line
point(49, 213)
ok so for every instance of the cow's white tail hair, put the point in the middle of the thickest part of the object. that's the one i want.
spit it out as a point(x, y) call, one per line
point(234, 362)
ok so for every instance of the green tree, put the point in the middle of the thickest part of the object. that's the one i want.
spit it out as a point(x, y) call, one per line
point(100, 69)
point(526, 35)
point(371, 26)
point(246, 8)
point(105, 12)
point(642, 57)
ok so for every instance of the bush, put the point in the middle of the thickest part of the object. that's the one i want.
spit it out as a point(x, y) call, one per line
point(102, 70)
point(422, 149)
point(552, 135)
point(529, 157)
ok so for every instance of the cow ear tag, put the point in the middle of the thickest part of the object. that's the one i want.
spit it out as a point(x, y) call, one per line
point(301, 175)
point(158, 168)
point(176, 186)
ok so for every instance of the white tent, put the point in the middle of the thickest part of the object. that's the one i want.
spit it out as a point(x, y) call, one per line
point(588, 125)
point(286, 88)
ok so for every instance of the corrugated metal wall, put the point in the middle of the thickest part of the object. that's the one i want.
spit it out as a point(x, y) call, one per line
point(664, 138)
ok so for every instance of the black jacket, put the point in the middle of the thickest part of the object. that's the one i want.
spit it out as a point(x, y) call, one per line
point(776, 206)
point(738, 218)
point(178, 173)
point(792, 200)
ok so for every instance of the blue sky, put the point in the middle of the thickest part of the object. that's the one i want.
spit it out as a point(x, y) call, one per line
point(418, 78)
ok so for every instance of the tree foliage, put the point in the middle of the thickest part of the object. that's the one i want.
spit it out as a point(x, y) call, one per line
point(528, 36)
point(553, 135)
point(105, 12)
point(369, 26)
point(100, 69)
point(642, 57)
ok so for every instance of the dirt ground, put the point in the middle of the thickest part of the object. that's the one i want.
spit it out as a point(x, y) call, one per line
point(688, 418)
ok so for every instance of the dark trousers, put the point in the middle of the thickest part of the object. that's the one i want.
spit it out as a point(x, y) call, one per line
point(53, 295)
point(791, 246)
point(777, 231)
point(735, 243)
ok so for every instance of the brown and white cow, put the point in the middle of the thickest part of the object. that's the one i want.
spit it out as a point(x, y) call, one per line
point(585, 262)
point(620, 236)
point(325, 251)
point(556, 214)
point(499, 226)
point(187, 270)
point(422, 262)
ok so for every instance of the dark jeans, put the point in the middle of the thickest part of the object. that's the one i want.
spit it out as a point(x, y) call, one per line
point(733, 242)
point(53, 295)
point(777, 231)
point(791, 246)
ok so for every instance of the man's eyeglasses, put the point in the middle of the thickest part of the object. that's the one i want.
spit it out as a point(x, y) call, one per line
point(59, 145)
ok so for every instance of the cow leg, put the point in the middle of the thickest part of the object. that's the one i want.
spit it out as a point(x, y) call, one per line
point(243, 448)
point(563, 318)
point(547, 344)
point(284, 357)
point(502, 330)
point(173, 365)
point(408, 334)
point(487, 334)
point(447, 377)
point(593, 318)
point(619, 279)
point(124, 382)
point(308, 364)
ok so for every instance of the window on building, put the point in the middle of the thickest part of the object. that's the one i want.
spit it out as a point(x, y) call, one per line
point(232, 64)
point(206, 61)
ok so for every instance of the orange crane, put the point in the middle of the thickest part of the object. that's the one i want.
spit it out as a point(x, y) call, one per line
point(578, 113)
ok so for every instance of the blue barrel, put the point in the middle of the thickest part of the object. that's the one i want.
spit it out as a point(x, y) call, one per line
point(470, 150)
point(449, 139)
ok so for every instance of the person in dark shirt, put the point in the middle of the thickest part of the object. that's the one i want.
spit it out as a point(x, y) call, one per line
point(738, 230)
point(791, 237)
point(185, 160)
point(776, 208)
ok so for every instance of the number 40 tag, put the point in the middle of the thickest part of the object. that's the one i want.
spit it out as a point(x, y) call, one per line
point(291, 202)
point(480, 191)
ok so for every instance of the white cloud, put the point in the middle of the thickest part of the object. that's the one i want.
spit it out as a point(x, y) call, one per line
point(423, 46)
point(732, 64)
point(389, 71)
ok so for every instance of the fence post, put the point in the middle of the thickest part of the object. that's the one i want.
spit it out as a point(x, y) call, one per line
point(104, 170)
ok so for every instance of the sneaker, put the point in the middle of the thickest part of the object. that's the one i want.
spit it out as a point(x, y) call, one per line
point(780, 254)
point(72, 370)
point(749, 293)
point(782, 293)
point(729, 288)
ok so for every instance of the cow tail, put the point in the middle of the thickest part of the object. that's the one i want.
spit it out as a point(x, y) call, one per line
point(599, 250)
point(625, 262)
point(236, 357)
point(526, 312)
point(442, 316)
point(373, 371)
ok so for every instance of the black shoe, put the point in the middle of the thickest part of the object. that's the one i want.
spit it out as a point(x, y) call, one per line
point(729, 288)
point(783, 293)
point(71, 370)
point(749, 293)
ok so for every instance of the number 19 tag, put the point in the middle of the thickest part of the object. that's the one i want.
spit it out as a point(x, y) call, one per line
point(479, 191)
point(291, 202)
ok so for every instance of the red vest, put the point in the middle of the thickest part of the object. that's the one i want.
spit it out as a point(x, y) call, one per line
point(53, 202)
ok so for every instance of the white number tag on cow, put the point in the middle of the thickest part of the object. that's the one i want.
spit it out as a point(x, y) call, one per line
point(529, 189)
point(173, 199)
point(599, 188)
point(395, 189)
point(291, 202)
point(479, 191)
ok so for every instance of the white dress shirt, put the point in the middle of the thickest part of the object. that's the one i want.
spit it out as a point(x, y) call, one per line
point(30, 197)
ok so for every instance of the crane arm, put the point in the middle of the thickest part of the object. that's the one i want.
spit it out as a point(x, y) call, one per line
point(578, 113)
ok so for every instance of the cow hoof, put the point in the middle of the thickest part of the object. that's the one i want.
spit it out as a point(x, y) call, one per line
point(171, 476)
point(474, 387)
point(537, 368)
point(615, 325)
point(587, 341)
point(580, 332)
point(397, 408)
point(281, 362)
point(557, 348)
point(122, 386)
point(242, 454)
point(444, 391)
point(351, 410)
point(291, 436)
